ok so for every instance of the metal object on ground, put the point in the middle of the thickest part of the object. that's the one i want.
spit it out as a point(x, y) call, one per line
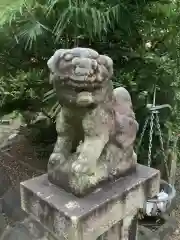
point(161, 203)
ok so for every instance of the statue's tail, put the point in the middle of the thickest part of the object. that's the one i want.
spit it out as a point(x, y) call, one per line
point(122, 95)
point(123, 99)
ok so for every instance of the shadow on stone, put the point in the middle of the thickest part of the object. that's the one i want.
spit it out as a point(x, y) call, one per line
point(163, 230)
point(29, 229)
point(3, 224)
point(18, 232)
point(11, 204)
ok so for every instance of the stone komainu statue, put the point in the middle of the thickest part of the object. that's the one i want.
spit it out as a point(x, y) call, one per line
point(96, 125)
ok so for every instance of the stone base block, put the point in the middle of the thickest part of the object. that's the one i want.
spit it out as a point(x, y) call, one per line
point(107, 213)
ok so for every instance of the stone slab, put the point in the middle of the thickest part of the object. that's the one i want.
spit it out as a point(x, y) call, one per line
point(70, 217)
point(36, 230)
point(125, 229)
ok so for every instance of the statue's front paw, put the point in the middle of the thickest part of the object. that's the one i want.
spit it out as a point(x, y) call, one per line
point(56, 159)
point(81, 167)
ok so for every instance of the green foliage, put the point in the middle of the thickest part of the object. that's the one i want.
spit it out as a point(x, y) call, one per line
point(25, 89)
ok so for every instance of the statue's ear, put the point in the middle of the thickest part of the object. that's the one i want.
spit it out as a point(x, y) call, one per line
point(54, 60)
point(51, 67)
point(109, 65)
point(51, 77)
point(50, 64)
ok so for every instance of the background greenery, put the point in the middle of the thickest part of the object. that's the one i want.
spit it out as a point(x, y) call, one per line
point(141, 36)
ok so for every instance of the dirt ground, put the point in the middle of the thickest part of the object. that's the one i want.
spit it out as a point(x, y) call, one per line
point(22, 159)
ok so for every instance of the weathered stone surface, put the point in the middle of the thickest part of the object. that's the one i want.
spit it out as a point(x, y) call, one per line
point(69, 217)
point(125, 229)
point(29, 229)
point(18, 232)
point(3, 224)
point(96, 126)
point(36, 230)
point(11, 204)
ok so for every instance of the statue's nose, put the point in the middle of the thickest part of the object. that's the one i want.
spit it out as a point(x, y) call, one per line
point(79, 71)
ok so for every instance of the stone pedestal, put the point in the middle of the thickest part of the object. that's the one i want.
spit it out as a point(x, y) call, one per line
point(109, 213)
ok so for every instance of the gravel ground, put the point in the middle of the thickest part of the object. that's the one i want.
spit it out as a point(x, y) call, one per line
point(17, 163)
point(21, 160)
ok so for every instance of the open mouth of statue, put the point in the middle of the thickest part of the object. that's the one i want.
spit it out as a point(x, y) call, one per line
point(81, 82)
